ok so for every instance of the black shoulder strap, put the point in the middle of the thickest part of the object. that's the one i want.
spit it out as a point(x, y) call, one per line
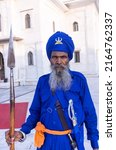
point(61, 115)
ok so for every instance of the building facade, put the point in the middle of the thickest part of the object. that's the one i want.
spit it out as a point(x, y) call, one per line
point(33, 21)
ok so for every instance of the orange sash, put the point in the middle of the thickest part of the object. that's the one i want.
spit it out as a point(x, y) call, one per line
point(39, 134)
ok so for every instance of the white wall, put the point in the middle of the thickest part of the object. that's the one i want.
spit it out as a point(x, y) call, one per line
point(43, 13)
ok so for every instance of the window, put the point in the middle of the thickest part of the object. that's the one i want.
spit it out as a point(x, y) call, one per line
point(0, 23)
point(77, 56)
point(1, 61)
point(2, 74)
point(75, 26)
point(30, 58)
point(27, 21)
point(53, 26)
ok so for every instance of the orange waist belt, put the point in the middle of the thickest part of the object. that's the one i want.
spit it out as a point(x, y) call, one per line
point(39, 134)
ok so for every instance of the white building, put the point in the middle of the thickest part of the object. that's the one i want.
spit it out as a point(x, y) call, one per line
point(33, 21)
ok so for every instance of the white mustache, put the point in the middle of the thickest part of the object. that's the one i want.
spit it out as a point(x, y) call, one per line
point(59, 66)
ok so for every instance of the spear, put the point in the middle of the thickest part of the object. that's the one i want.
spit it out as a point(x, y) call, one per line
point(11, 65)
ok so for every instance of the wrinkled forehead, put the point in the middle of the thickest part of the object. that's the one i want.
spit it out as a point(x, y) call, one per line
point(57, 53)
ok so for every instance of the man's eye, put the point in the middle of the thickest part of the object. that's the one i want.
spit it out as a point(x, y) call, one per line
point(64, 57)
point(54, 57)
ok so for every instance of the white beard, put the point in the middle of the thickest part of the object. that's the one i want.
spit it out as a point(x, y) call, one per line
point(60, 78)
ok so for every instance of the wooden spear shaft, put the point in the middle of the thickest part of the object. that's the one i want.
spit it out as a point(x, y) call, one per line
point(12, 109)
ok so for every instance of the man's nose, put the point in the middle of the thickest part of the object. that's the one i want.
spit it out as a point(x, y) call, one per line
point(59, 60)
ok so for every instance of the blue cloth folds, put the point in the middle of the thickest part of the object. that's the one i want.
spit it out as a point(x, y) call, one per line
point(77, 133)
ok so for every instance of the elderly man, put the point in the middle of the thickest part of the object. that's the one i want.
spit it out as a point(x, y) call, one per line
point(49, 113)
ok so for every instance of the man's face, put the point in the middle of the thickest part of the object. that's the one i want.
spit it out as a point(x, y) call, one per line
point(60, 76)
point(59, 60)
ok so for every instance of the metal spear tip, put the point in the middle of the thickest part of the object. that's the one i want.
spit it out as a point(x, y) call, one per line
point(11, 57)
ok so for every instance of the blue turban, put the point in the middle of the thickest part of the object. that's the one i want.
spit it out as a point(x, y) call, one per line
point(61, 42)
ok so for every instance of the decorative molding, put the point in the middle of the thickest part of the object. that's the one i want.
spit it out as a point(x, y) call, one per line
point(6, 40)
point(61, 5)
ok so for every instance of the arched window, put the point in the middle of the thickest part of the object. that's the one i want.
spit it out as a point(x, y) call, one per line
point(75, 26)
point(27, 21)
point(0, 23)
point(2, 74)
point(77, 56)
point(1, 60)
point(53, 26)
point(30, 58)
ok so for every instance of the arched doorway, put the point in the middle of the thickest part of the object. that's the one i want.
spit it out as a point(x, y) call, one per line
point(2, 74)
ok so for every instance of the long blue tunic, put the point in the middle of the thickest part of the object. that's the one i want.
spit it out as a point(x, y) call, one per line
point(43, 109)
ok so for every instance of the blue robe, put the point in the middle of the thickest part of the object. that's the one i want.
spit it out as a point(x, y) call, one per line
point(43, 109)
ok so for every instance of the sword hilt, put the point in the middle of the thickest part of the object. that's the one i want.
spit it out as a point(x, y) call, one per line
point(71, 113)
